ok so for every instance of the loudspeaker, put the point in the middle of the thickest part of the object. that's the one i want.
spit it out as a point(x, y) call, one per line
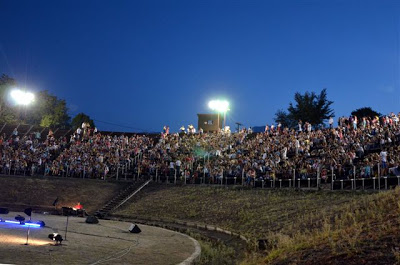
point(19, 218)
point(41, 223)
point(28, 211)
point(3, 210)
point(66, 211)
point(92, 220)
point(134, 229)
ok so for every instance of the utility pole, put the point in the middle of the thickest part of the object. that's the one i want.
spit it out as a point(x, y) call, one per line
point(238, 124)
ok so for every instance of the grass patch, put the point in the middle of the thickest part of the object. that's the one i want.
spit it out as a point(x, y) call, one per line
point(214, 253)
point(299, 227)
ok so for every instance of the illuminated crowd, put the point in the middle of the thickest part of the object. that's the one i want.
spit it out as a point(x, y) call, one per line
point(353, 147)
point(365, 147)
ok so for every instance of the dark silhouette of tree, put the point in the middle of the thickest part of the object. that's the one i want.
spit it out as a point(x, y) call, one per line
point(308, 107)
point(365, 112)
point(282, 117)
point(81, 118)
point(7, 114)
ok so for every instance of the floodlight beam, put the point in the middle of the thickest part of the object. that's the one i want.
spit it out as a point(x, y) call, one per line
point(21, 97)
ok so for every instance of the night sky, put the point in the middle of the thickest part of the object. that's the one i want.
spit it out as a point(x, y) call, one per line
point(140, 65)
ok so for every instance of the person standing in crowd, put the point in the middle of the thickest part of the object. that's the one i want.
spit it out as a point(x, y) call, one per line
point(383, 155)
point(178, 164)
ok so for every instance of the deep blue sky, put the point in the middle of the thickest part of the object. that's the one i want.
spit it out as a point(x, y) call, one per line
point(144, 64)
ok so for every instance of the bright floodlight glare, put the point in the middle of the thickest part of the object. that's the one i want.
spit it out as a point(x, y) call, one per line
point(22, 98)
point(219, 105)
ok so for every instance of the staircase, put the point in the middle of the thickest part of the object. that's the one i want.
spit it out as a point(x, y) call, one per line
point(120, 199)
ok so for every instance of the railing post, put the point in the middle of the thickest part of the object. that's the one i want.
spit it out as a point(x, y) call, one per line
point(243, 177)
point(379, 183)
point(352, 184)
point(262, 183)
point(373, 179)
point(341, 184)
point(363, 186)
point(298, 180)
point(309, 183)
point(175, 177)
point(379, 170)
point(234, 181)
point(385, 182)
point(294, 178)
point(157, 175)
point(290, 183)
point(280, 184)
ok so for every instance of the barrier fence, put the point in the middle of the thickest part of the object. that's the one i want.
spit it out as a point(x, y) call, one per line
point(349, 178)
point(309, 181)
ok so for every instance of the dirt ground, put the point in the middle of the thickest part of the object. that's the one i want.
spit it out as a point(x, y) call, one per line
point(108, 242)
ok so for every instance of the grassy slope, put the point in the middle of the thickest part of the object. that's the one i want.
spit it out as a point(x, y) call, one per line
point(17, 192)
point(253, 213)
point(301, 227)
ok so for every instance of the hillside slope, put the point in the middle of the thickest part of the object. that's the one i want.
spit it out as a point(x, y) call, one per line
point(297, 227)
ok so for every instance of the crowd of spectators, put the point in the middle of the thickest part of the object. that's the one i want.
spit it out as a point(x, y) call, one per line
point(363, 147)
point(28, 154)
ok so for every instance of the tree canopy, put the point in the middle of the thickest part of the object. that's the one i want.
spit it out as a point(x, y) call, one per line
point(365, 112)
point(47, 110)
point(308, 107)
point(81, 118)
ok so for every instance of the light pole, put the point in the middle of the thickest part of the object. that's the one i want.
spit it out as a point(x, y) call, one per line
point(219, 106)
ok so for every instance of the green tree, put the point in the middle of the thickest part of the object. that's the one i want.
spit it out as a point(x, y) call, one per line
point(81, 118)
point(282, 117)
point(365, 112)
point(7, 111)
point(308, 107)
point(48, 111)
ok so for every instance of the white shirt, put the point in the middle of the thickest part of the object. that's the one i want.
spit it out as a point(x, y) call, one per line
point(383, 156)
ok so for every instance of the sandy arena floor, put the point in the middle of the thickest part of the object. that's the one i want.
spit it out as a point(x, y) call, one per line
point(108, 242)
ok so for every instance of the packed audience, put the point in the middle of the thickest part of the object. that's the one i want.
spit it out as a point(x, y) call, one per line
point(365, 147)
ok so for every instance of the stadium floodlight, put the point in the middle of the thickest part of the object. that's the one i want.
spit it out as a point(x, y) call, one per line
point(21, 97)
point(219, 106)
